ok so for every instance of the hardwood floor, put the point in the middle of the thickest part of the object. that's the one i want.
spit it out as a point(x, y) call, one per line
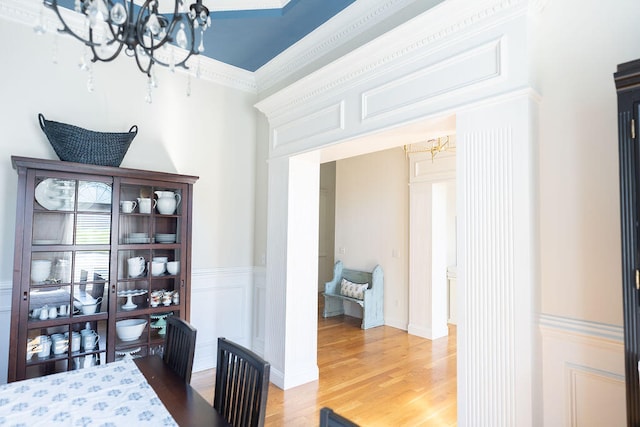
point(378, 377)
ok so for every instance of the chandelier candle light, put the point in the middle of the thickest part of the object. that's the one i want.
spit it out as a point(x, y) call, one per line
point(140, 30)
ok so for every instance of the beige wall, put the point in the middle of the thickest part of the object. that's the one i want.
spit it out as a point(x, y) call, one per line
point(372, 223)
point(578, 50)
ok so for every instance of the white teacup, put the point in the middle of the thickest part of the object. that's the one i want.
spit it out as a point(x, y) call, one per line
point(60, 344)
point(135, 266)
point(173, 267)
point(128, 206)
point(157, 268)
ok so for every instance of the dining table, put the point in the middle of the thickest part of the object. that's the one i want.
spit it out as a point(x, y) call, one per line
point(140, 391)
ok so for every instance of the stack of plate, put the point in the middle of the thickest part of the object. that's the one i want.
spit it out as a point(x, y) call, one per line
point(165, 238)
point(134, 238)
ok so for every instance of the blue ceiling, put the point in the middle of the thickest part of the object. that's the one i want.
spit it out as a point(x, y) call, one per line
point(251, 38)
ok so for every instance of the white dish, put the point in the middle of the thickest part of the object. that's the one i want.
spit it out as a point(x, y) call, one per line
point(127, 352)
point(138, 234)
point(165, 238)
point(50, 195)
point(135, 240)
point(130, 329)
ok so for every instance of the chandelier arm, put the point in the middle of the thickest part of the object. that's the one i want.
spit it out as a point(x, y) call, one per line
point(53, 5)
point(97, 57)
point(140, 26)
point(146, 70)
point(183, 62)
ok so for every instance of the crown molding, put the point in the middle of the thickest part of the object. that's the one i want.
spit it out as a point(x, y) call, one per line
point(431, 28)
point(354, 20)
point(27, 12)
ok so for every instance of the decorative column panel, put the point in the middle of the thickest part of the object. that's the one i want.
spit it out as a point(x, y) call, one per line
point(292, 270)
point(497, 270)
point(427, 260)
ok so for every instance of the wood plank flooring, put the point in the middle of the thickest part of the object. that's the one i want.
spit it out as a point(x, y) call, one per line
point(378, 377)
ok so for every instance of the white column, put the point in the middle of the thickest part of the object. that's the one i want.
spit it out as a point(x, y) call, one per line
point(497, 272)
point(292, 270)
point(428, 260)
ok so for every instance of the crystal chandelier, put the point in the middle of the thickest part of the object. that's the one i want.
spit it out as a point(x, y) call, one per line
point(140, 30)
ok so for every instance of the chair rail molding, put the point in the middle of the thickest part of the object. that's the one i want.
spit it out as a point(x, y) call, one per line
point(582, 362)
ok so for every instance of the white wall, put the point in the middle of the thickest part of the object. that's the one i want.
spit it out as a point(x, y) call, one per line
point(579, 45)
point(327, 223)
point(372, 223)
point(579, 196)
point(210, 134)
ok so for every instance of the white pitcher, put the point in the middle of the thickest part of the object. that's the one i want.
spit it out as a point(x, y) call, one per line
point(168, 201)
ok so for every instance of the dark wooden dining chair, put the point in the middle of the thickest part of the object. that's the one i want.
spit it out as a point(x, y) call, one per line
point(242, 385)
point(328, 418)
point(179, 347)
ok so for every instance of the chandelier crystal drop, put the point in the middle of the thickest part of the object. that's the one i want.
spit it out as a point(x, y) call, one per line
point(139, 29)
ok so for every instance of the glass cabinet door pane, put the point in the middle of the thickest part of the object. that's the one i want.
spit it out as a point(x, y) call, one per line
point(134, 229)
point(55, 194)
point(52, 228)
point(131, 197)
point(93, 229)
point(49, 303)
point(94, 196)
point(91, 266)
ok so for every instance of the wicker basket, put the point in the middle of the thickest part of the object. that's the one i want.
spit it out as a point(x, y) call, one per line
point(75, 144)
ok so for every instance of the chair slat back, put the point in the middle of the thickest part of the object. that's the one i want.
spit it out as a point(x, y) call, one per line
point(328, 418)
point(242, 385)
point(179, 347)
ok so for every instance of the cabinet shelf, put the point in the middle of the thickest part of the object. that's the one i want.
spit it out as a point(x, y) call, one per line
point(70, 231)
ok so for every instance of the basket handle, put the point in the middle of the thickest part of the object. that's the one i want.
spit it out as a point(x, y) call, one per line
point(134, 129)
point(42, 121)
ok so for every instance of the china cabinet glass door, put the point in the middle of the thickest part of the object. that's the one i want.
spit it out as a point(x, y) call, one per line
point(149, 257)
point(69, 264)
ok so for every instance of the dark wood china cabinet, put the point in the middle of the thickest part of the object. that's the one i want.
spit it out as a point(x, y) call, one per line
point(627, 80)
point(102, 257)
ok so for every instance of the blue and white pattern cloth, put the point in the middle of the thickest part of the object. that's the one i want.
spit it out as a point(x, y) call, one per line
point(110, 395)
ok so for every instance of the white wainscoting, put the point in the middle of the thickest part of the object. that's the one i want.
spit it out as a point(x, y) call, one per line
point(221, 306)
point(583, 371)
point(5, 327)
point(259, 302)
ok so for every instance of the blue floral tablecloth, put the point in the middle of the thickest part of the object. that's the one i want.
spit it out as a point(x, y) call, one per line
point(115, 394)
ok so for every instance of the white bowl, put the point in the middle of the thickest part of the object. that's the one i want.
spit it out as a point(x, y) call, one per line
point(130, 329)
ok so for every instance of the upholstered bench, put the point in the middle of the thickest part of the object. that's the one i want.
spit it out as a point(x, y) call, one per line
point(363, 288)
